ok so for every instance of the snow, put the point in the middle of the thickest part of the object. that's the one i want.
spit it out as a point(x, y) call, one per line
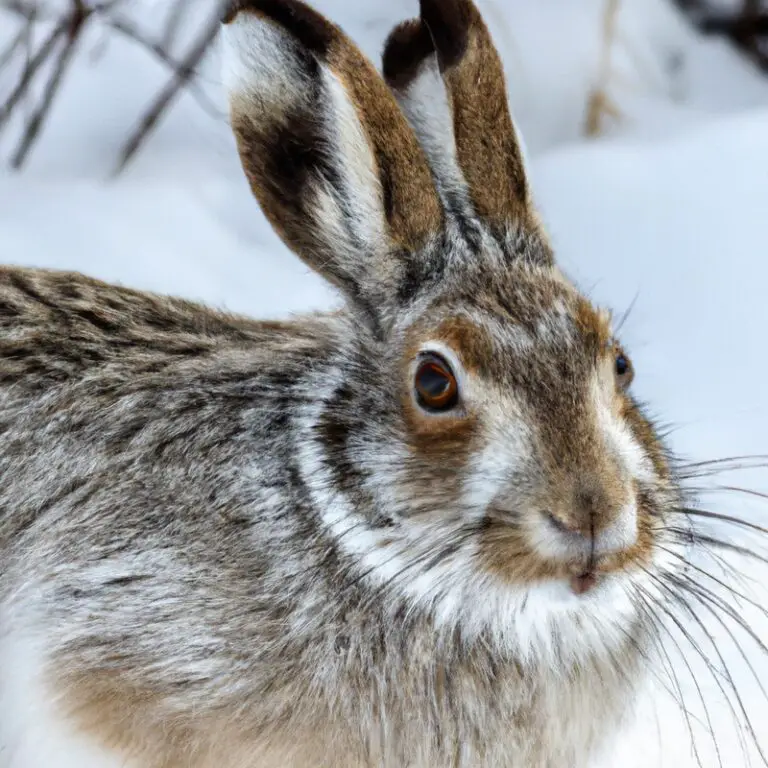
point(665, 213)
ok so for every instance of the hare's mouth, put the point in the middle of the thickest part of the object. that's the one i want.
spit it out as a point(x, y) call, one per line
point(543, 552)
point(584, 582)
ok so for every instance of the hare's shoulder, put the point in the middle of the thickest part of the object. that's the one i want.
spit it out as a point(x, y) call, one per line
point(56, 325)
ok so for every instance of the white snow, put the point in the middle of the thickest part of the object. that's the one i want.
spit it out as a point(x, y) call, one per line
point(667, 213)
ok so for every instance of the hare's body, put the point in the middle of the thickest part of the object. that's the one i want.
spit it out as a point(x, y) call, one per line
point(417, 533)
point(157, 536)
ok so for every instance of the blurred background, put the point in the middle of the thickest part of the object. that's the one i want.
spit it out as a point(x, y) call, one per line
point(646, 128)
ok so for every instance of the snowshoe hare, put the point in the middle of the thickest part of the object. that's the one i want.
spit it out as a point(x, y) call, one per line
point(410, 532)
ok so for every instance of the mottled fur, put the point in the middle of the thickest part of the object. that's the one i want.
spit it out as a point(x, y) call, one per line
point(244, 544)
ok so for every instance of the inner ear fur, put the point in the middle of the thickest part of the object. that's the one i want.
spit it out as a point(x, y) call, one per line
point(451, 37)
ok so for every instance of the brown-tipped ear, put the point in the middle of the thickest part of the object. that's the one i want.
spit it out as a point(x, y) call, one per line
point(482, 157)
point(329, 154)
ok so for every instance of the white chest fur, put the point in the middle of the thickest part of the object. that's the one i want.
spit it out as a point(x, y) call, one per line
point(31, 735)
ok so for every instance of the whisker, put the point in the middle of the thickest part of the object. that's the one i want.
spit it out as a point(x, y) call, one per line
point(738, 489)
point(676, 695)
point(692, 511)
point(727, 609)
point(429, 558)
point(725, 585)
point(697, 594)
point(714, 672)
point(646, 600)
point(726, 464)
point(625, 314)
point(329, 545)
point(705, 599)
point(720, 559)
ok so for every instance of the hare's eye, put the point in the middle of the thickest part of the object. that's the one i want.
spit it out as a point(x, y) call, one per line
point(624, 371)
point(435, 384)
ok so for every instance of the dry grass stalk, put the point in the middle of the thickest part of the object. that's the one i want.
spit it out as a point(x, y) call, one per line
point(600, 105)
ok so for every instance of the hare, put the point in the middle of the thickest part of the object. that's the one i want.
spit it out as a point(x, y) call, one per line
point(410, 532)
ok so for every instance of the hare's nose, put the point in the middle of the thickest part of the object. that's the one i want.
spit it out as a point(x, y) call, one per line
point(588, 511)
point(562, 525)
point(595, 520)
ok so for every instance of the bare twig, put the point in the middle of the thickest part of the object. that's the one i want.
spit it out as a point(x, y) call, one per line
point(33, 65)
point(27, 11)
point(55, 53)
point(736, 26)
point(80, 15)
point(52, 87)
point(747, 28)
point(129, 30)
point(29, 38)
point(13, 46)
point(181, 77)
point(173, 25)
point(30, 10)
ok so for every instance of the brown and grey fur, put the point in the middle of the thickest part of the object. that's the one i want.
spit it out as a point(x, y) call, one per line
point(243, 544)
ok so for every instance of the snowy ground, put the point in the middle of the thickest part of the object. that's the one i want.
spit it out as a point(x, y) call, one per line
point(668, 210)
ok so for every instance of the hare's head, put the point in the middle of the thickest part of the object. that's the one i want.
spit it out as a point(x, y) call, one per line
point(477, 447)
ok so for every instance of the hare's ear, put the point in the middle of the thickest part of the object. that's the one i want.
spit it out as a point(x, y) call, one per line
point(449, 80)
point(329, 154)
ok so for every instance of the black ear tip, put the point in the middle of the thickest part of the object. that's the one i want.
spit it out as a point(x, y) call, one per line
point(297, 18)
point(406, 48)
point(449, 23)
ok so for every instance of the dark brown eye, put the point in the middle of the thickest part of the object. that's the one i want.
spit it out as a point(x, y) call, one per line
point(435, 385)
point(624, 371)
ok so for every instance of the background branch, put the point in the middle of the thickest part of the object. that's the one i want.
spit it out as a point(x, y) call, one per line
point(180, 79)
point(58, 49)
point(32, 67)
point(78, 18)
point(746, 27)
point(160, 51)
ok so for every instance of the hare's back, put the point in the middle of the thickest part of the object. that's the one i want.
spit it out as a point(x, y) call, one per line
point(127, 419)
point(57, 326)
